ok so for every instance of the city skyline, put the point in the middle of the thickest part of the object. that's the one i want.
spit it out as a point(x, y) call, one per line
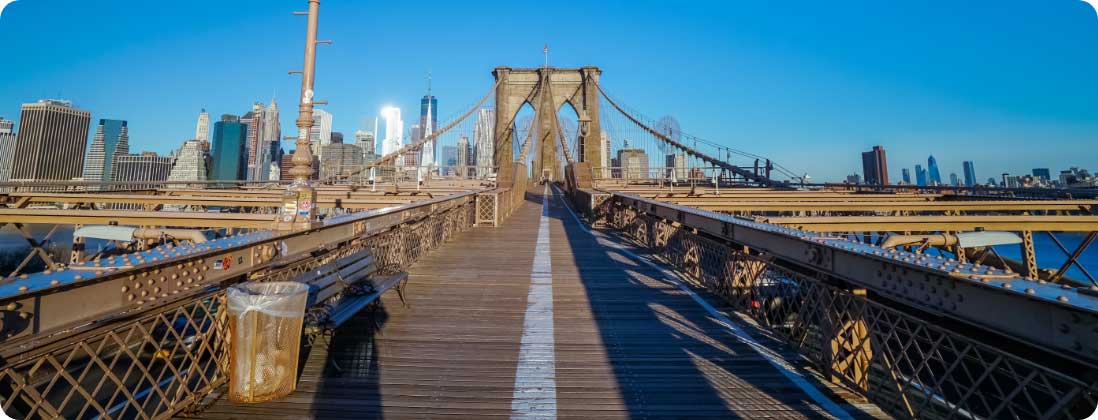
point(1003, 109)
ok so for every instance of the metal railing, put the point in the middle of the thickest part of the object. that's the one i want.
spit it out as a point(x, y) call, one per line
point(904, 361)
point(157, 356)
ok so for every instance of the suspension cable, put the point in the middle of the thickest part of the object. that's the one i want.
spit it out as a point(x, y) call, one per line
point(563, 141)
point(526, 143)
point(418, 144)
point(695, 153)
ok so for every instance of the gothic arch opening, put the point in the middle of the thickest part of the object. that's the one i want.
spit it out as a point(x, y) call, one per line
point(524, 127)
point(548, 88)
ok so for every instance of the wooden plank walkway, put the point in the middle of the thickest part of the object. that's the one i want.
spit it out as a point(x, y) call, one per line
point(622, 342)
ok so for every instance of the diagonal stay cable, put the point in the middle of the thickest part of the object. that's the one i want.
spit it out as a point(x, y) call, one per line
point(526, 143)
point(419, 143)
point(705, 157)
point(563, 141)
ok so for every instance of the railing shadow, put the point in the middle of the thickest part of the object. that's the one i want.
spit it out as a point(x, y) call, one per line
point(764, 337)
point(669, 357)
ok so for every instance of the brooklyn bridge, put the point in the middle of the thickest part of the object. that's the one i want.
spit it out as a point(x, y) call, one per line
point(562, 281)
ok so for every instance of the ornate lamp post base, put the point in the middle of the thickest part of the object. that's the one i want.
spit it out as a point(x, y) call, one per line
point(298, 210)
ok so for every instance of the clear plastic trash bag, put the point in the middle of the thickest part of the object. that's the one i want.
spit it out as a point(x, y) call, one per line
point(265, 333)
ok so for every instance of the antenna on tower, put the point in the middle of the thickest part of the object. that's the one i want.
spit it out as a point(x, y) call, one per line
point(428, 83)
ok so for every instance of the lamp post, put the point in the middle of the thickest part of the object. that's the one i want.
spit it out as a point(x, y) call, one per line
point(299, 200)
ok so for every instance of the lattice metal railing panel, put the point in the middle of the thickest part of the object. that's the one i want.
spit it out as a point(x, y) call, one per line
point(906, 365)
point(147, 368)
point(487, 206)
point(157, 364)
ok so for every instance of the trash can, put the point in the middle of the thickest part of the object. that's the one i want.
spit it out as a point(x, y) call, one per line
point(265, 335)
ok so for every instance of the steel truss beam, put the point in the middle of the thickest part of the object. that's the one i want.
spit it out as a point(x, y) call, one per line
point(271, 201)
point(938, 223)
point(856, 204)
point(136, 218)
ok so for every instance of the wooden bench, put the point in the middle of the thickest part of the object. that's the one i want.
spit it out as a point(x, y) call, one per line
point(341, 288)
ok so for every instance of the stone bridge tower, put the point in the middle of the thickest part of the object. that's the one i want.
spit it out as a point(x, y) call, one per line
point(546, 89)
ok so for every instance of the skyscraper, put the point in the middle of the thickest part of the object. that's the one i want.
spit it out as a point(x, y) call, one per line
point(463, 157)
point(7, 147)
point(970, 173)
point(272, 128)
point(676, 167)
point(875, 166)
point(428, 123)
point(111, 140)
point(428, 111)
point(935, 176)
point(954, 180)
point(411, 161)
point(906, 174)
point(264, 136)
point(484, 142)
point(139, 168)
point(50, 145)
point(253, 127)
point(394, 130)
point(230, 158)
point(414, 133)
point(633, 163)
point(1042, 173)
point(202, 129)
point(448, 160)
point(269, 141)
point(321, 133)
point(190, 164)
point(920, 176)
point(365, 141)
point(340, 159)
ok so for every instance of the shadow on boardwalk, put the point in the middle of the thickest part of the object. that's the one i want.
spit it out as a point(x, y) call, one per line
point(669, 357)
point(349, 385)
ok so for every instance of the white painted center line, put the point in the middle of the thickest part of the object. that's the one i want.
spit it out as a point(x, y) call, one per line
point(535, 395)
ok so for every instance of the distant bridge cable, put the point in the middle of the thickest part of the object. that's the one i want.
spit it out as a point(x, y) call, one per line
point(526, 143)
point(418, 144)
point(693, 152)
point(563, 141)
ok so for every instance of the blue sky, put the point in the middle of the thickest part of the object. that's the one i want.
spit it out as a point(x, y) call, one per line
point(1009, 84)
